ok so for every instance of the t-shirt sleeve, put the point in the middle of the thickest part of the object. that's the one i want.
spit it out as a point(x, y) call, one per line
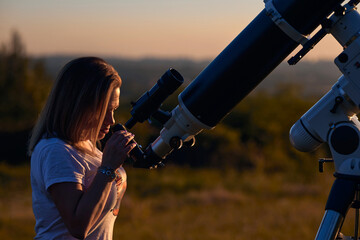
point(60, 165)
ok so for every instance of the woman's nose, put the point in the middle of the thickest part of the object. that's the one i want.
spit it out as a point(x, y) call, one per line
point(109, 118)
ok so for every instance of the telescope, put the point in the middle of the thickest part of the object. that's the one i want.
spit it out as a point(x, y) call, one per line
point(273, 34)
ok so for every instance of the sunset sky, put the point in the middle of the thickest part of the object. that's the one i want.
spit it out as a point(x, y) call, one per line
point(198, 29)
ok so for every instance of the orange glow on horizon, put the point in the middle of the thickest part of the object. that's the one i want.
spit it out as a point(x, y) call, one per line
point(187, 29)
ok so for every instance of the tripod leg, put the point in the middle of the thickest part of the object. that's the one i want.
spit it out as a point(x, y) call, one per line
point(329, 226)
point(340, 198)
point(356, 224)
point(357, 198)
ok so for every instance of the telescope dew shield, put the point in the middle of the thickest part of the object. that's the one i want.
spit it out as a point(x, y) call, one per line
point(250, 57)
point(150, 101)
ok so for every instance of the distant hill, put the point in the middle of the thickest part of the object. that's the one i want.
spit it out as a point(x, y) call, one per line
point(139, 75)
point(315, 78)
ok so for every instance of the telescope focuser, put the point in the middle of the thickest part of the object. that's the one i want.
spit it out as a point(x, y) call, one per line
point(141, 159)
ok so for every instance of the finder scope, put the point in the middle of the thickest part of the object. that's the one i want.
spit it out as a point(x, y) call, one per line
point(149, 102)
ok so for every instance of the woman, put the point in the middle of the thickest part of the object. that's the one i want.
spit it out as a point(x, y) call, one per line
point(76, 189)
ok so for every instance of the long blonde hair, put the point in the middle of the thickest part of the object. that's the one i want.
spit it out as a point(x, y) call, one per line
point(77, 103)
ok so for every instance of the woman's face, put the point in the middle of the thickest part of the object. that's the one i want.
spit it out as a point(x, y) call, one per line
point(109, 115)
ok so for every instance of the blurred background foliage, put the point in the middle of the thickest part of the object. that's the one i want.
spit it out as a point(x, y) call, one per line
point(242, 179)
point(24, 86)
point(254, 136)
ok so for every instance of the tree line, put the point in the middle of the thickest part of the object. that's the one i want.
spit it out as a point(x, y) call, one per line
point(254, 136)
point(24, 86)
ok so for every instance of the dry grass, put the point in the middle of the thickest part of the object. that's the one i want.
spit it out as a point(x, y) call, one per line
point(228, 206)
point(181, 203)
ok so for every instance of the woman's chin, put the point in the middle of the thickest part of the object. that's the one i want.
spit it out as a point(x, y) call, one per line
point(101, 136)
point(102, 133)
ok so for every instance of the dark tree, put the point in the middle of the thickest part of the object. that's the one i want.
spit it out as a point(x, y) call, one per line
point(24, 86)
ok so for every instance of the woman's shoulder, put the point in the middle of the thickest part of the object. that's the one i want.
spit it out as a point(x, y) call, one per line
point(52, 144)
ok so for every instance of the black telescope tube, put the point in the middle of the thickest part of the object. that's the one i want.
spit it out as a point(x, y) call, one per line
point(249, 58)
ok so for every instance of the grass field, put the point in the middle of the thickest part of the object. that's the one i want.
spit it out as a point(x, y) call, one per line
point(181, 203)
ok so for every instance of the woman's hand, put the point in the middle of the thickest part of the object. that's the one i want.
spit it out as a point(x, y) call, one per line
point(81, 208)
point(117, 149)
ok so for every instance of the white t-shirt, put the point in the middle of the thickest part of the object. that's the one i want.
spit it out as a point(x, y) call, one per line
point(54, 161)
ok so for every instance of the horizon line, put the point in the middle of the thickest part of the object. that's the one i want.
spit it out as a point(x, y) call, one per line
point(150, 57)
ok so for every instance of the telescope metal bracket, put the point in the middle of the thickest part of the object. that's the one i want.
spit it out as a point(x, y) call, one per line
point(273, 13)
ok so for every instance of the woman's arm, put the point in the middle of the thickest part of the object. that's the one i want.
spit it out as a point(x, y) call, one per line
point(80, 208)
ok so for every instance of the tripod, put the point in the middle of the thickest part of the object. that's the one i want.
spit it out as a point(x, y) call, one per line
point(333, 120)
point(344, 194)
point(344, 143)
